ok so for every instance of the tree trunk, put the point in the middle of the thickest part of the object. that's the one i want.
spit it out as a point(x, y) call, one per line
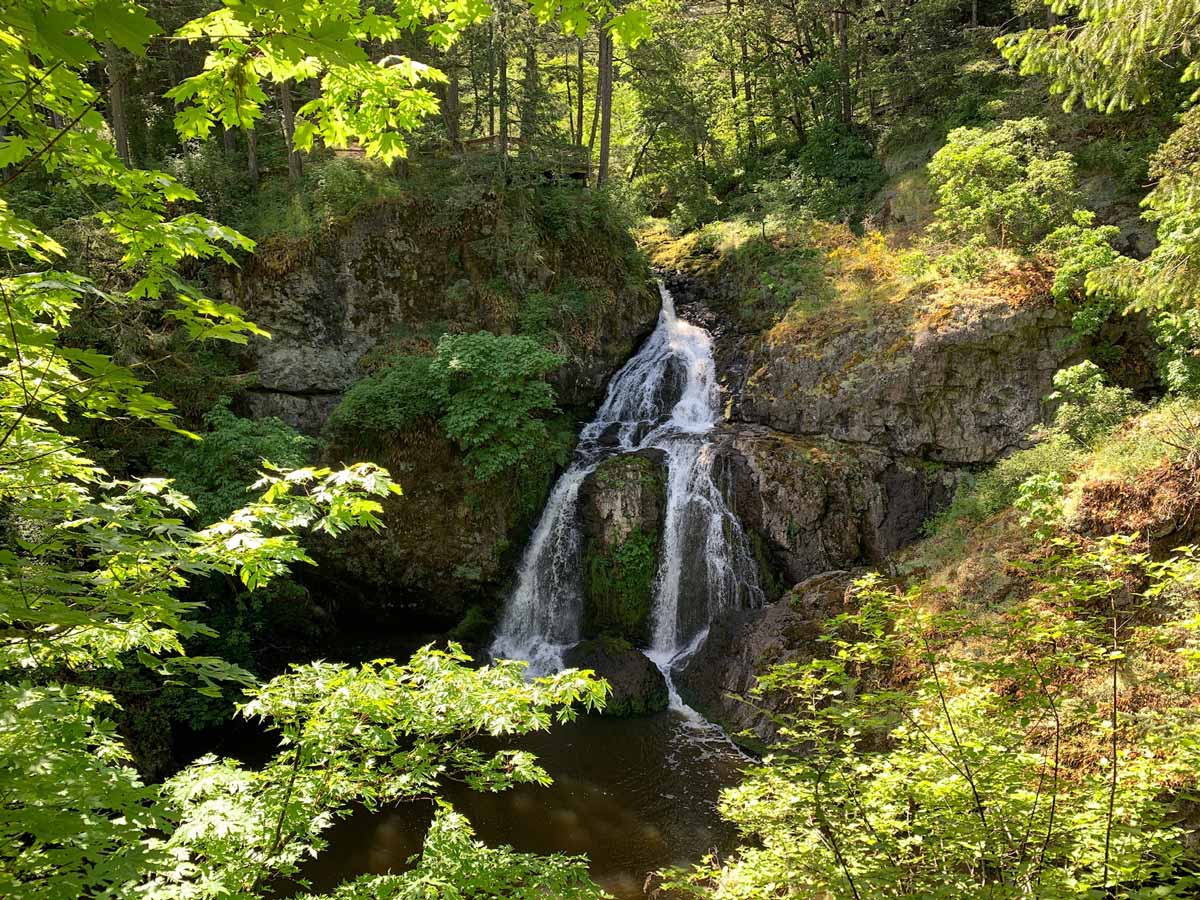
point(228, 141)
point(733, 88)
point(606, 69)
point(579, 86)
point(492, 81)
point(252, 155)
point(117, 69)
point(596, 102)
point(530, 90)
point(751, 128)
point(295, 163)
point(448, 102)
point(843, 31)
point(502, 65)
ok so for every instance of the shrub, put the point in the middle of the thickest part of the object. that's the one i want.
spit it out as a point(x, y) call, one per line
point(1006, 183)
point(388, 401)
point(995, 490)
point(1088, 407)
point(485, 390)
point(1178, 359)
point(1080, 248)
point(216, 470)
point(493, 386)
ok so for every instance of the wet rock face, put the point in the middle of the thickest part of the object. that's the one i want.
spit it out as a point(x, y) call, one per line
point(961, 391)
point(811, 505)
point(621, 508)
point(638, 687)
point(743, 646)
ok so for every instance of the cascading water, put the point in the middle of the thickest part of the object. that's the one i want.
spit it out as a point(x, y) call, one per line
point(665, 397)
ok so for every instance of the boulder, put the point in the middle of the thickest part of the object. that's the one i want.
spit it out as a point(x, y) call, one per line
point(743, 645)
point(813, 504)
point(621, 509)
point(638, 687)
point(960, 387)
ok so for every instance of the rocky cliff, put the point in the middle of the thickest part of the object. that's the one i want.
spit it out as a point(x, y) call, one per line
point(848, 425)
point(391, 280)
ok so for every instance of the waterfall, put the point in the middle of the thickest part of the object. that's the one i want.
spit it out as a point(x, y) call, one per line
point(664, 397)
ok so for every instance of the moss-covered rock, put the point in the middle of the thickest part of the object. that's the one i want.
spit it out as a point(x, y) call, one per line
point(622, 505)
point(387, 283)
point(638, 687)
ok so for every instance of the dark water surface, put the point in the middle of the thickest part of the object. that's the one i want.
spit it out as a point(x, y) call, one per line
point(634, 795)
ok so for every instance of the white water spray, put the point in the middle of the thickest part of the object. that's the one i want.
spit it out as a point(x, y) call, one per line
point(666, 398)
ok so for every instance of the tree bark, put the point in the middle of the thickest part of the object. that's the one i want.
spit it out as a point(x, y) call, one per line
point(502, 65)
point(252, 155)
point(579, 86)
point(295, 163)
point(117, 69)
point(449, 102)
point(843, 31)
point(530, 90)
point(606, 69)
point(492, 81)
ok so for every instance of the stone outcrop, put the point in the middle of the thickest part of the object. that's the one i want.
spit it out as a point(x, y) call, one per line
point(812, 504)
point(396, 276)
point(391, 280)
point(621, 509)
point(959, 381)
point(719, 678)
point(846, 430)
point(638, 687)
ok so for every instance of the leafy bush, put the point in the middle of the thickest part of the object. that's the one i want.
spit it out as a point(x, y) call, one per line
point(911, 768)
point(493, 386)
point(969, 261)
point(215, 471)
point(391, 400)
point(485, 390)
point(995, 490)
point(547, 314)
point(836, 173)
point(1006, 183)
point(1088, 407)
point(1178, 361)
point(1079, 249)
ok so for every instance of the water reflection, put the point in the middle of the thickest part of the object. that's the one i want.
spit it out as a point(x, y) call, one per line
point(633, 795)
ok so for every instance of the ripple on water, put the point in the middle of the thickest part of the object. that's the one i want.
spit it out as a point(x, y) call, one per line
point(634, 795)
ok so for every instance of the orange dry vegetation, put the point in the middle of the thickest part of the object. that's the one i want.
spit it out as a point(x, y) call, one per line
point(1162, 504)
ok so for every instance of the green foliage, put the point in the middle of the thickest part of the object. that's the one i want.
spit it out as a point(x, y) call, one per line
point(1178, 362)
point(1040, 501)
point(492, 387)
point(1118, 56)
point(985, 495)
point(835, 174)
point(329, 189)
point(619, 586)
point(547, 315)
point(1089, 408)
point(394, 399)
point(215, 471)
point(486, 391)
point(1006, 183)
point(911, 770)
point(453, 865)
point(1080, 249)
